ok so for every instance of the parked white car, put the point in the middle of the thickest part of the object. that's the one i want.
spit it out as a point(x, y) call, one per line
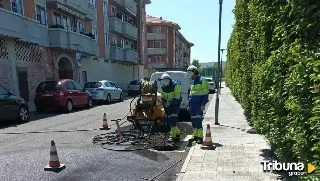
point(212, 85)
point(104, 90)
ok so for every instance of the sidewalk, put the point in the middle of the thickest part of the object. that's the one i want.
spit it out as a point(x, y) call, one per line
point(238, 154)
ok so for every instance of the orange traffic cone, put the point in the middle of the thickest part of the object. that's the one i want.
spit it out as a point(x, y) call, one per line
point(208, 140)
point(105, 125)
point(54, 163)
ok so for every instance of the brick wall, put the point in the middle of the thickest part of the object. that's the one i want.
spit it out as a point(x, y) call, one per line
point(170, 47)
point(100, 27)
point(29, 8)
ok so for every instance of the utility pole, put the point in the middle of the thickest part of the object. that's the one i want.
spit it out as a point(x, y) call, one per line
point(221, 68)
point(216, 122)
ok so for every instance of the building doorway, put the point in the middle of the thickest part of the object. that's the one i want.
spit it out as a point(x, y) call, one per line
point(23, 85)
point(65, 68)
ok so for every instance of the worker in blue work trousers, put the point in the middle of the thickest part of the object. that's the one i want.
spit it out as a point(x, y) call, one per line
point(171, 98)
point(198, 98)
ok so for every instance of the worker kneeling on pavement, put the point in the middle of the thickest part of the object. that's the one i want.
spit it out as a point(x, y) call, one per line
point(171, 98)
point(198, 99)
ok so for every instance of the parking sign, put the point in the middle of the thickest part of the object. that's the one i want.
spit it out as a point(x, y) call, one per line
point(78, 56)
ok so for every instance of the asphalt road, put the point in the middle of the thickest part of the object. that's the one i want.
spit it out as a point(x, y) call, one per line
point(24, 156)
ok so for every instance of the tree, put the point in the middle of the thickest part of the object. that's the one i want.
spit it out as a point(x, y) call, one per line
point(196, 63)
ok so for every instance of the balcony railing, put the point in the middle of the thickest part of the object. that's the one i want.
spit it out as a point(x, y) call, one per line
point(82, 42)
point(152, 64)
point(157, 51)
point(14, 25)
point(156, 36)
point(123, 54)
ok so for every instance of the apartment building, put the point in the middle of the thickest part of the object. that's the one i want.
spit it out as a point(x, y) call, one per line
point(39, 40)
point(167, 47)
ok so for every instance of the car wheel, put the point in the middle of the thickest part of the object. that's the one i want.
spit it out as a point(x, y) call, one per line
point(90, 104)
point(23, 114)
point(121, 97)
point(108, 100)
point(69, 106)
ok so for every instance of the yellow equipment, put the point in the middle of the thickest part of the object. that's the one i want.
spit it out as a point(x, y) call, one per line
point(148, 112)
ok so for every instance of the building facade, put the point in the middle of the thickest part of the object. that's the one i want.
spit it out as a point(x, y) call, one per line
point(167, 47)
point(39, 40)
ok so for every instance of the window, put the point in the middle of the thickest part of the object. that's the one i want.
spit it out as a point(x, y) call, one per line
point(67, 23)
point(108, 84)
point(107, 38)
point(77, 86)
point(93, 85)
point(105, 8)
point(127, 44)
point(93, 2)
point(41, 15)
point(95, 33)
point(70, 86)
point(157, 29)
point(3, 91)
point(131, 44)
point(113, 11)
point(122, 44)
point(142, 26)
point(113, 85)
point(80, 26)
point(125, 18)
point(56, 18)
point(157, 44)
point(114, 41)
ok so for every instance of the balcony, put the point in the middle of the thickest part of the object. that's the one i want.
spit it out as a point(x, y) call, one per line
point(116, 53)
point(157, 51)
point(129, 5)
point(130, 56)
point(19, 27)
point(130, 30)
point(157, 65)
point(116, 25)
point(156, 36)
point(60, 38)
point(79, 8)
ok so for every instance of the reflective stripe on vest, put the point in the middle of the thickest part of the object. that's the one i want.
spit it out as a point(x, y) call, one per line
point(171, 95)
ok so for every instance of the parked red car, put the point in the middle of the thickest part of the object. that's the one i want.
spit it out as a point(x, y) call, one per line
point(65, 94)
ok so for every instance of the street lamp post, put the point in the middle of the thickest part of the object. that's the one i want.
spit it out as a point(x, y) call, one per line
point(216, 122)
point(221, 68)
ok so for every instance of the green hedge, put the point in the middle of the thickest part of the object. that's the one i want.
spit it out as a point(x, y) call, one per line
point(273, 70)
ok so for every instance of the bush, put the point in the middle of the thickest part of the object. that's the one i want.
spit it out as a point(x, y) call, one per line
point(273, 70)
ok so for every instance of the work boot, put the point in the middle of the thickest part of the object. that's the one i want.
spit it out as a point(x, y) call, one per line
point(195, 135)
point(200, 136)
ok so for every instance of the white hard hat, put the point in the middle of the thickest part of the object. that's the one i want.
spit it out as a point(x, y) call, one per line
point(165, 76)
point(191, 68)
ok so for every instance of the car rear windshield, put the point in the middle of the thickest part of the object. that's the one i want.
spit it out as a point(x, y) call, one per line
point(93, 85)
point(135, 82)
point(49, 86)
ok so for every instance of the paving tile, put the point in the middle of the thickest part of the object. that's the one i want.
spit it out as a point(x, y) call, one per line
point(238, 154)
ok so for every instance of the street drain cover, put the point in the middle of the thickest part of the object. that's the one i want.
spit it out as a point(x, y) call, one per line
point(166, 148)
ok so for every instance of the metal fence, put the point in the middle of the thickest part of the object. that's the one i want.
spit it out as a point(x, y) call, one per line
point(209, 72)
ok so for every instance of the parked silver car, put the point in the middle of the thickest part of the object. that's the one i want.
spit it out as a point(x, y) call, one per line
point(104, 90)
point(134, 87)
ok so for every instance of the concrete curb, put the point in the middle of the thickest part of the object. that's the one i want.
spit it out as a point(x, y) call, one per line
point(185, 164)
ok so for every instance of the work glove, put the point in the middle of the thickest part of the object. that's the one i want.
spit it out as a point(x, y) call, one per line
point(202, 108)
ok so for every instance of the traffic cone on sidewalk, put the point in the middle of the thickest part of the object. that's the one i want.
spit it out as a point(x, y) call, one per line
point(207, 139)
point(54, 163)
point(105, 125)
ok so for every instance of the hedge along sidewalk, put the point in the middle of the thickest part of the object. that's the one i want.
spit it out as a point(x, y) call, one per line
point(238, 154)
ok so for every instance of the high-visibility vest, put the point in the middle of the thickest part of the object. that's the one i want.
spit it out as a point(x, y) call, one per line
point(199, 87)
point(170, 92)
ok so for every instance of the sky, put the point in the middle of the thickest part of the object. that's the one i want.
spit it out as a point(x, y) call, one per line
point(199, 22)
